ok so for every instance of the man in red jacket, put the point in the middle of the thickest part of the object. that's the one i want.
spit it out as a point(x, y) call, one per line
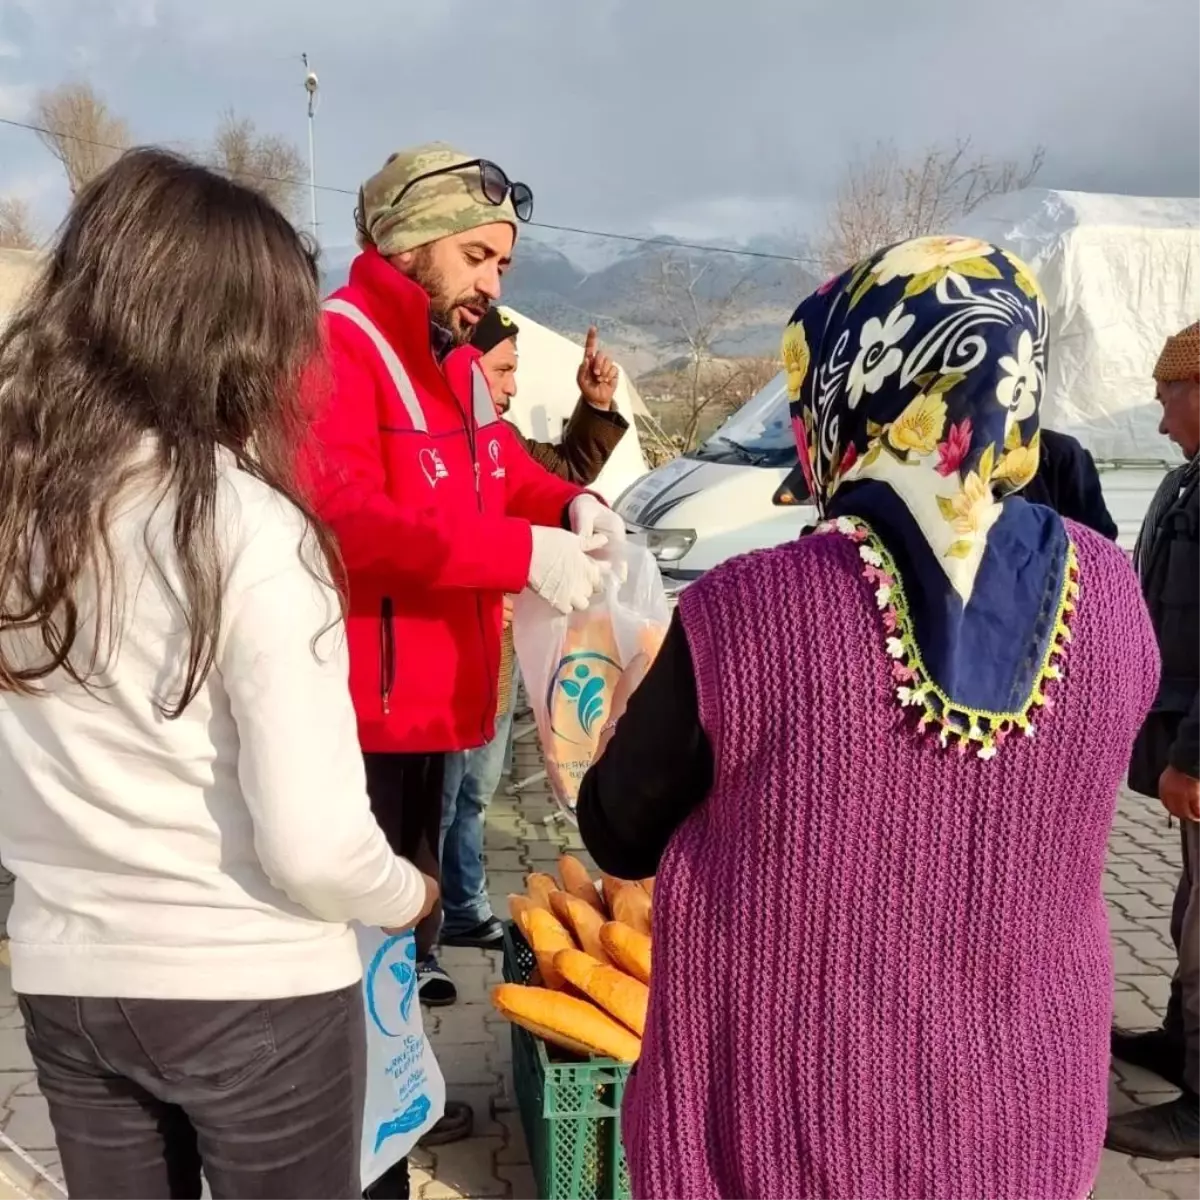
point(437, 508)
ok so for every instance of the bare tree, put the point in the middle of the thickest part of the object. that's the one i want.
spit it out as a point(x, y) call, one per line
point(77, 127)
point(658, 446)
point(268, 163)
point(699, 312)
point(885, 198)
point(16, 225)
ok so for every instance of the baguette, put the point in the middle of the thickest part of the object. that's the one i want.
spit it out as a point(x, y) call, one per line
point(610, 888)
point(631, 906)
point(518, 909)
point(576, 1025)
point(539, 886)
point(547, 936)
point(577, 882)
point(627, 949)
point(558, 906)
point(618, 994)
point(583, 921)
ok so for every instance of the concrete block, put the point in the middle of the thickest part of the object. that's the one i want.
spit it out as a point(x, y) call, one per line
point(467, 1169)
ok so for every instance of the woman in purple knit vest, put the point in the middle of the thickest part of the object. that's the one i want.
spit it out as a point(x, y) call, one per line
point(874, 771)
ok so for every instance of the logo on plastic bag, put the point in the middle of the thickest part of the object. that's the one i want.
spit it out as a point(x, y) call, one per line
point(398, 958)
point(585, 679)
point(412, 1118)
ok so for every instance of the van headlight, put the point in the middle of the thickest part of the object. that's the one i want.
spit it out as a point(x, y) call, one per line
point(667, 545)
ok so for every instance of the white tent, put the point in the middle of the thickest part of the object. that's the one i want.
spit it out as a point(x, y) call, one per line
point(1120, 273)
point(546, 396)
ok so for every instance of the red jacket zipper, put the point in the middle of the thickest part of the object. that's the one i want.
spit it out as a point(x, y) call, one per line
point(387, 654)
point(493, 673)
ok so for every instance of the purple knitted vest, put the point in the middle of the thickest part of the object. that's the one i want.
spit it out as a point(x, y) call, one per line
point(881, 968)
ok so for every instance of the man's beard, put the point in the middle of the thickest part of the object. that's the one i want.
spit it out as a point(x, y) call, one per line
point(442, 306)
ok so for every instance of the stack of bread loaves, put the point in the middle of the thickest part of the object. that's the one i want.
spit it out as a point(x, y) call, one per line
point(592, 947)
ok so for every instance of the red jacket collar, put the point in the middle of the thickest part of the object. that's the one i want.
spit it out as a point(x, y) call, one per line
point(467, 355)
point(458, 367)
point(397, 306)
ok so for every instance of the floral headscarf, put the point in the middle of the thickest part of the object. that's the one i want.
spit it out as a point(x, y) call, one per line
point(915, 380)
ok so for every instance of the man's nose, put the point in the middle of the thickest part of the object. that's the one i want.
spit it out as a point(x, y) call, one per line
point(489, 284)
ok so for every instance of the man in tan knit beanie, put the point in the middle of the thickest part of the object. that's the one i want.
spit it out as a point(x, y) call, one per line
point(416, 211)
point(1166, 761)
point(1177, 376)
point(438, 510)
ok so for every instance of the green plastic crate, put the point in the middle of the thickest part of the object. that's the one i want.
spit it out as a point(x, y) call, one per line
point(571, 1110)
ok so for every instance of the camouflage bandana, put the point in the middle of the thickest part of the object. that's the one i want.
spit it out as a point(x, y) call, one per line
point(433, 208)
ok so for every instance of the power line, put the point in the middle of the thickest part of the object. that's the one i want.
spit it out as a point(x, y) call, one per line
point(668, 242)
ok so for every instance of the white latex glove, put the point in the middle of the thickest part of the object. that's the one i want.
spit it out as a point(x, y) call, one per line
point(589, 517)
point(560, 570)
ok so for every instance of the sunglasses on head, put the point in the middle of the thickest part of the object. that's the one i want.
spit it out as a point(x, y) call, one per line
point(493, 183)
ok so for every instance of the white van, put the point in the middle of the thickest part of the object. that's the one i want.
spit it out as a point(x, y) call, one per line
point(741, 490)
point(1120, 275)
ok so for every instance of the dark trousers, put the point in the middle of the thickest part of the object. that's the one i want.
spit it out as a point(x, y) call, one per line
point(265, 1096)
point(1183, 1009)
point(406, 798)
point(1151, 755)
point(393, 1184)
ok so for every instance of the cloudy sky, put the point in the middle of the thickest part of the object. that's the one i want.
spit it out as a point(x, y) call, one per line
point(705, 118)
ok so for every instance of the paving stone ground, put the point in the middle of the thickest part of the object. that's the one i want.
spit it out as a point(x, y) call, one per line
point(474, 1049)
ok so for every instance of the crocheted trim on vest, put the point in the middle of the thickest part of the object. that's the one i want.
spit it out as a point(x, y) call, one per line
point(954, 723)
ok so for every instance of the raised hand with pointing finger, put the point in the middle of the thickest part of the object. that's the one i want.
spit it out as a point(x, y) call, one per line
point(597, 374)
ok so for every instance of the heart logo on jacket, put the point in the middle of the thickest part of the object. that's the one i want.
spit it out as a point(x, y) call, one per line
point(432, 466)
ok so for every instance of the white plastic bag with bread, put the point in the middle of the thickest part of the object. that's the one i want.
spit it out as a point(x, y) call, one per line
point(571, 665)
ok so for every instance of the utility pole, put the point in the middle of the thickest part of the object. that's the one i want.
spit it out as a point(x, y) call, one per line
point(310, 86)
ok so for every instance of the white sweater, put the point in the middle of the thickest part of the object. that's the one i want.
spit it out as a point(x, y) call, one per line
point(219, 855)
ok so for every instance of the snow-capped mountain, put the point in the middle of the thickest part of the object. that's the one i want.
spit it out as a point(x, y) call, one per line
point(636, 292)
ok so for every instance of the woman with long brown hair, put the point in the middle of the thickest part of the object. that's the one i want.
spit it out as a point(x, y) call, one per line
point(184, 804)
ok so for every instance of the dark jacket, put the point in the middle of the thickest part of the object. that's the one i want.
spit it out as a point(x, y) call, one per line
point(1068, 482)
point(1168, 559)
point(590, 437)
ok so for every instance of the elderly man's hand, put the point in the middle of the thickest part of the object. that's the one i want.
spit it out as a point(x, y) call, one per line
point(597, 375)
point(1180, 794)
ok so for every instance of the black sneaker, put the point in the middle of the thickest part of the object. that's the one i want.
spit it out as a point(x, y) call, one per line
point(1166, 1132)
point(435, 988)
point(1154, 1050)
point(487, 935)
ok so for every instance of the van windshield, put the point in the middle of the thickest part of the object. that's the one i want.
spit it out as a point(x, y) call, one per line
point(759, 434)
